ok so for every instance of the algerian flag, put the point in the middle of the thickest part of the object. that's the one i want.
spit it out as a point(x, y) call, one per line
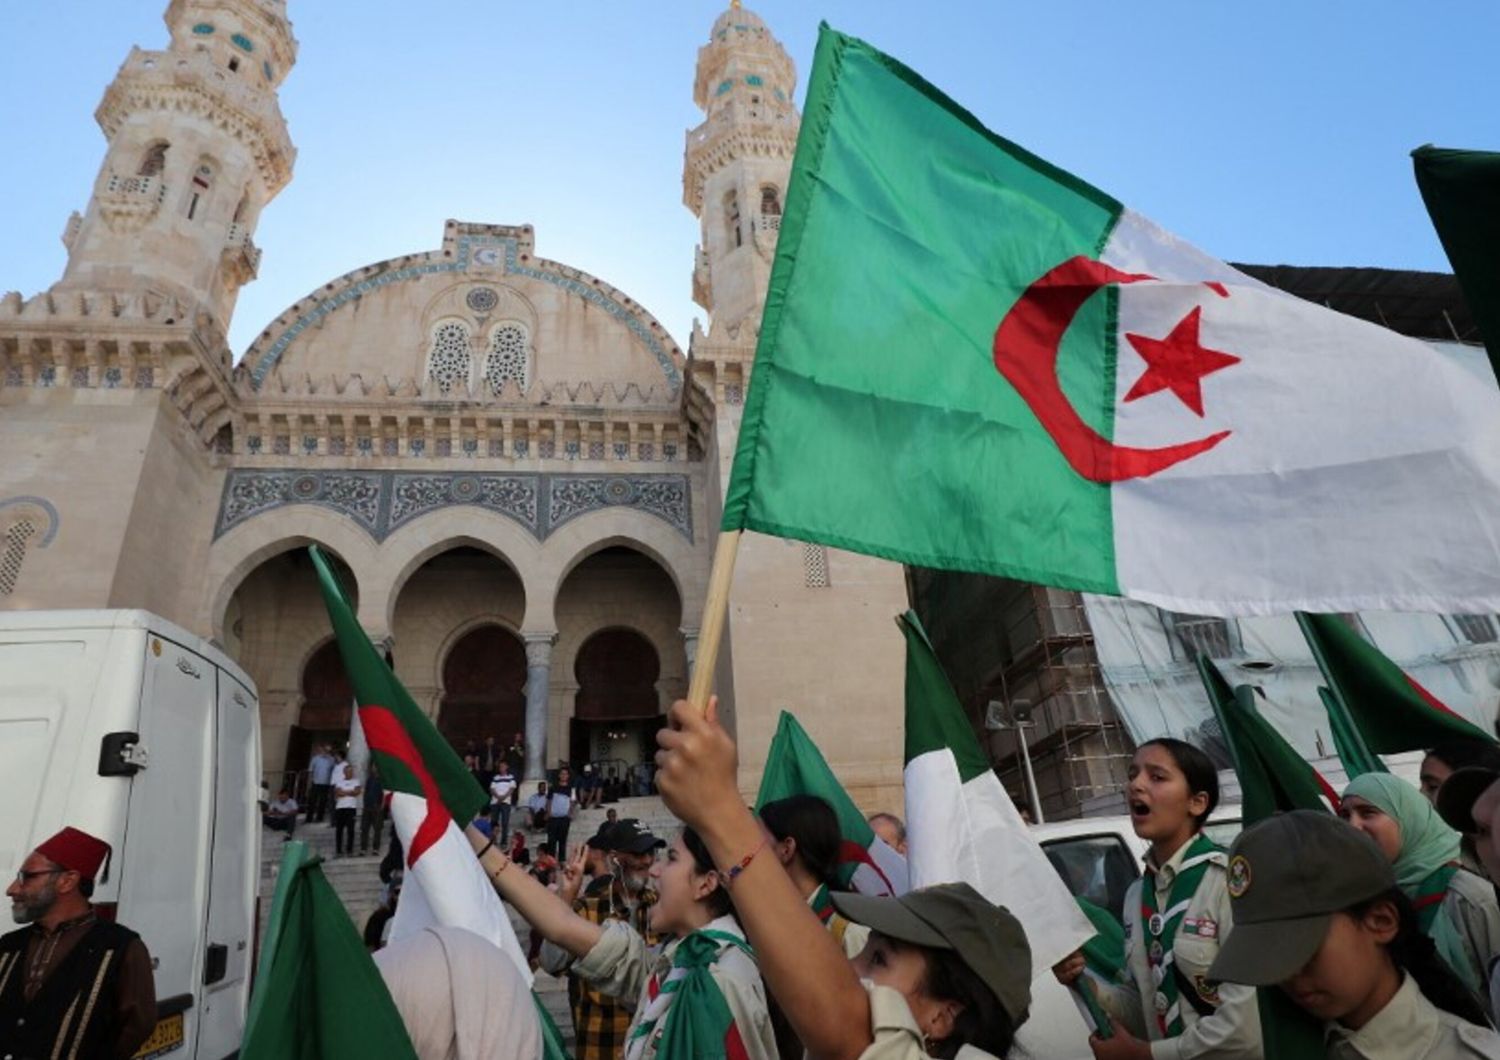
point(961, 826)
point(1348, 742)
point(1391, 710)
point(972, 360)
point(444, 883)
point(315, 972)
point(1273, 779)
point(795, 766)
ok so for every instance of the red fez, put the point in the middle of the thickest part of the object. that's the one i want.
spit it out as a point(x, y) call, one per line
point(76, 850)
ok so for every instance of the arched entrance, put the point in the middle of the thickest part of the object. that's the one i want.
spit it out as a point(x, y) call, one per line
point(327, 708)
point(484, 682)
point(617, 708)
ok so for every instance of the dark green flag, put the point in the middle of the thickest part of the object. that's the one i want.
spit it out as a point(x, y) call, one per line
point(318, 995)
point(1273, 778)
point(1347, 741)
point(1392, 712)
point(1462, 193)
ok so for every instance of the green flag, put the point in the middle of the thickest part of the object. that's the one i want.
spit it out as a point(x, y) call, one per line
point(318, 995)
point(1392, 712)
point(412, 755)
point(1273, 778)
point(1347, 741)
point(1462, 193)
point(795, 766)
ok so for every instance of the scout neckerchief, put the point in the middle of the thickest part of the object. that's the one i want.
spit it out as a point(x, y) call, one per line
point(1161, 928)
point(822, 905)
point(1427, 899)
point(703, 1025)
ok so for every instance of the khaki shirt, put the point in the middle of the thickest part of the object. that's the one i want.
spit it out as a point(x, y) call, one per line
point(1412, 1028)
point(894, 1030)
point(1471, 907)
point(621, 964)
point(1232, 1032)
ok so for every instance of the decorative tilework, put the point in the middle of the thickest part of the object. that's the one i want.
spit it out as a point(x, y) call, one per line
point(482, 299)
point(242, 42)
point(281, 444)
point(80, 377)
point(622, 450)
point(646, 451)
point(417, 446)
point(497, 447)
point(365, 444)
point(145, 377)
point(460, 263)
point(522, 447)
point(48, 376)
point(203, 29)
point(596, 450)
point(252, 443)
point(471, 447)
point(571, 450)
point(734, 394)
point(669, 451)
point(337, 446)
point(390, 446)
point(112, 378)
point(309, 443)
point(13, 375)
point(444, 447)
point(546, 449)
point(381, 502)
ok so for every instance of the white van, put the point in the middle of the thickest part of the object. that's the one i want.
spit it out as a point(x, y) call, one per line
point(122, 724)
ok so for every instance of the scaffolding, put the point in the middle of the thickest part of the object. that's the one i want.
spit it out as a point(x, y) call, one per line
point(1009, 645)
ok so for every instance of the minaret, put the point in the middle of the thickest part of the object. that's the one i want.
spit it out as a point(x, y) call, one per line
point(197, 147)
point(736, 166)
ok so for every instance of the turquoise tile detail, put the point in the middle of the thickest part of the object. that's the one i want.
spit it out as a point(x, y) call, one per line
point(242, 42)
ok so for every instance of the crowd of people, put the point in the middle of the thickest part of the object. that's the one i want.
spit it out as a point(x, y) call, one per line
point(732, 938)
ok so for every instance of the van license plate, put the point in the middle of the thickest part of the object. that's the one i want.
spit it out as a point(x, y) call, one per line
point(167, 1036)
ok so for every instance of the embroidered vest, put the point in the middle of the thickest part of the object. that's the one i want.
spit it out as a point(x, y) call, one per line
point(72, 1016)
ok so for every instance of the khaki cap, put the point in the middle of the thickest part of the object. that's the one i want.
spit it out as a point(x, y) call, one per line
point(1288, 875)
point(954, 916)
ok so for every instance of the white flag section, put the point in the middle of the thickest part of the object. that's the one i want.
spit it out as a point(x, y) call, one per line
point(1360, 468)
point(972, 833)
point(447, 887)
point(884, 873)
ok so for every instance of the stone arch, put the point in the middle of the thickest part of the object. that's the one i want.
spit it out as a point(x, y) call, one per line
point(235, 555)
point(582, 537)
point(434, 533)
point(616, 668)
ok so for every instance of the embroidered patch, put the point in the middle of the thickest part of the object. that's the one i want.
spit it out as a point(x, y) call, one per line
point(1206, 927)
point(1239, 876)
point(1206, 992)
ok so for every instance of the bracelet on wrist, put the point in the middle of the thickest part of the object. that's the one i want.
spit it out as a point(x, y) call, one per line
point(485, 849)
point(733, 872)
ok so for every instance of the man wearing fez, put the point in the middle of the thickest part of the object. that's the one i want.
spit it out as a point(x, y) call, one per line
point(71, 984)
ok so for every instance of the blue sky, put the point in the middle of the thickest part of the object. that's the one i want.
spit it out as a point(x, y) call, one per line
point(1267, 131)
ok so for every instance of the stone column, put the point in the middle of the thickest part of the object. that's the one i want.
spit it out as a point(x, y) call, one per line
point(359, 747)
point(538, 686)
point(690, 648)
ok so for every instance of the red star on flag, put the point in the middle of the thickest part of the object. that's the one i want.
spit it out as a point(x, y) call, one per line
point(1178, 362)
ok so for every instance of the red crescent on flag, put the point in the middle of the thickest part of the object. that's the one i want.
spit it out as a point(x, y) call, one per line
point(851, 852)
point(386, 734)
point(1026, 345)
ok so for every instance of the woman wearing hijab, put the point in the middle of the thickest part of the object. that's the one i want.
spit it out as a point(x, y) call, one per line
point(1455, 908)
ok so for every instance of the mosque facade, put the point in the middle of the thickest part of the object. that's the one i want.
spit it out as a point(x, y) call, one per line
point(518, 468)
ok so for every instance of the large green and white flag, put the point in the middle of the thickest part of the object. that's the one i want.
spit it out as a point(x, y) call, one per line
point(973, 360)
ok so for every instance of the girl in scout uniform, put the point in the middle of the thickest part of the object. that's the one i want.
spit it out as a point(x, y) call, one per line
point(708, 965)
point(1176, 918)
point(806, 830)
point(1317, 913)
point(1455, 908)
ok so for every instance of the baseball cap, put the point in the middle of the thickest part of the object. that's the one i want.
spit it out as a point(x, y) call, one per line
point(954, 916)
point(1459, 793)
point(1288, 875)
point(628, 836)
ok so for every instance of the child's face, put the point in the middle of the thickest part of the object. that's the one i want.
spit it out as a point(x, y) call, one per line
point(1347, 970)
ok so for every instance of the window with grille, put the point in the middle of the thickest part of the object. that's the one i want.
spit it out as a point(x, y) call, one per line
point(1194, 635)
point(14, 554)
point(770, 202)
point(448, 363)
point(507, 360)
point(732, 216)
point(155, 160)
point(1475, 629)
point(815, 566)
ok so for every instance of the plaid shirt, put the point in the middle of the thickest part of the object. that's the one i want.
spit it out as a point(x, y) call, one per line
point(600, 1022)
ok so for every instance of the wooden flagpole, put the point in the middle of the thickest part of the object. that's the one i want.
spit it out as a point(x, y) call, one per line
point(715, 610)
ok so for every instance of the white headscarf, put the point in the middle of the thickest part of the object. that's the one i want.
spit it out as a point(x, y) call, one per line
point(460, 997)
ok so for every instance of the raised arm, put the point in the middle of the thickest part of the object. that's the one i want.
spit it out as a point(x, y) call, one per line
point(543, 910)
point(804, 967)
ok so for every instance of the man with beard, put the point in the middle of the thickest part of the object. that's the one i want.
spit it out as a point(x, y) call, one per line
point(71, 984)
point(623, 855)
